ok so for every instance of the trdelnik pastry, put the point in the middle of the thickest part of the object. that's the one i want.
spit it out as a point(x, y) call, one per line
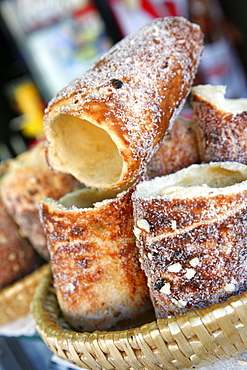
point(94, 259)
point(18, 257)
point(178, 150)
point(26, 180)
point(220, 124)
point(192, 235)
point(104, 127)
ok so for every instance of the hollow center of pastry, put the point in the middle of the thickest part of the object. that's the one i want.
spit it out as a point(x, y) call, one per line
point(197, 180)
point(86, 151)
point(87, 198)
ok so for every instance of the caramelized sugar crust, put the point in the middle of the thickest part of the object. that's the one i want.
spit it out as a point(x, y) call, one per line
point(105, 126)
point(192, 236)
point(95, 263)
point(26, 181)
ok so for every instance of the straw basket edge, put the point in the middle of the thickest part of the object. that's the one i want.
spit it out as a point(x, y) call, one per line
point(16, 298)
point(188, 341)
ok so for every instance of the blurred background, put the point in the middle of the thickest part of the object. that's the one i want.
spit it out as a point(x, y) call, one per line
point(46, 43)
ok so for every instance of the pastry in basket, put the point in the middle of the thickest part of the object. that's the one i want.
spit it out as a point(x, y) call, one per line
point(18, 257)
point(221, 124)
point(104, 127)
point(95, 262)
point(178, 149)
point(191, 229)
point(26, 180)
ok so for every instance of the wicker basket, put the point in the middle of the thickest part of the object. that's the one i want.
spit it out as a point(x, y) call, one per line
point(189, 341)
point(15, 299)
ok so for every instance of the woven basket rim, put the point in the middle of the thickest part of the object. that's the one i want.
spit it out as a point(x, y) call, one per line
point(15, 298)
point(28, 279)
point(205, 336)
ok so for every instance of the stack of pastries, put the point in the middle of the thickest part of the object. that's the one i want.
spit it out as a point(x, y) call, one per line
point(138, 211)
point(24, 182)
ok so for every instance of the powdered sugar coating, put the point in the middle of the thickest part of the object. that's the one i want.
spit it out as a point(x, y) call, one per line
point(26, 182)
point(94, 260)
point(156, 67)
point(18, 257)
point(208, 244)
point(221, 130)
point(178, 149)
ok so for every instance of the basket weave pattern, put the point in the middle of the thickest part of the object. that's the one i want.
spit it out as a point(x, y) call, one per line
point(187, 341)
point(15, 299)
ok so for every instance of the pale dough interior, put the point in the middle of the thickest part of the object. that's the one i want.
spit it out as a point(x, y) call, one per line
point(197, 180)
point(84, 150)
point(87, 198)
point(215, 95)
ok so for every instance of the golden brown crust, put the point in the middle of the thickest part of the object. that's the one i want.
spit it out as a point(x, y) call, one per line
point(24, 184)
point(18, 257)
point(178, 149)
point(127, 100)
point(221, 131)
point(193, 239)
point(94, 259)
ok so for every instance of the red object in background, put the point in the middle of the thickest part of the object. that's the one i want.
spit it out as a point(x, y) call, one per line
point(131, 15)
point(220, 63)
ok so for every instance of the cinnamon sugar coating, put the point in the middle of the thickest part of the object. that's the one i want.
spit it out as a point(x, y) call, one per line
point(18, 257)
point(98, 279)
point(178, 150)
point(27, 179)
point(194, 251)
point(105, 126)
point(221, 124)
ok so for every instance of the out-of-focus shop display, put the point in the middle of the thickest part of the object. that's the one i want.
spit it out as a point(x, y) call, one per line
point(53, 42)
point(220, 64)
point(58, 40)
point(50, 43)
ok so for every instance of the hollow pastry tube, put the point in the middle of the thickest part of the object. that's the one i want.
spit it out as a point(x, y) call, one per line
point(192, 235)
point(104, 126)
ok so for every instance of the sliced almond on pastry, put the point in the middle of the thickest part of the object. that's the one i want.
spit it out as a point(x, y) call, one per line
point(95, 262)
point(221, 124)
point(194, 253)
point(104, 127)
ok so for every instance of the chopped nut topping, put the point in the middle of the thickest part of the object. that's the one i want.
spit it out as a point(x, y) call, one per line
point(22, 233)
point(174, 225)
point(155, 31)
point(141, 260)
point(176, 267)
point(180, 302)
point(16, 267)
point(190, 273)
point(150, 256)
point(12, 256)
point(166, 288)
point(137, 232)
point(70, 288)
point(143, 225)
point(229, 288)
point(3, 238)
point(194, 262)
